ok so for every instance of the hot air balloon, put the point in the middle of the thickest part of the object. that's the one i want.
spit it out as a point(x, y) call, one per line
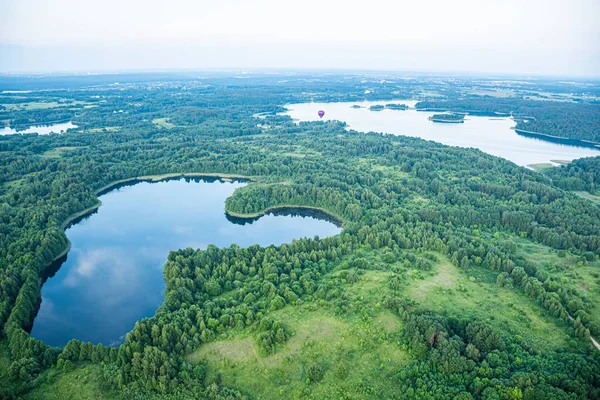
point(321, 113)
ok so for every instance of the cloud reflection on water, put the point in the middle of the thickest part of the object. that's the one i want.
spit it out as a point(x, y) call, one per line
point(113, 275)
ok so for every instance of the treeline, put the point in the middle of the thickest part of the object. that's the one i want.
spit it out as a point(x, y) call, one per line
point(563, 119)
point(480, 364)
point(582, 175)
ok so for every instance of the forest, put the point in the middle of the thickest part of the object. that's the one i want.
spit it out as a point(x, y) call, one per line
point(457, 275)
point(448, 117)
point(581, 174)
point(562, 119)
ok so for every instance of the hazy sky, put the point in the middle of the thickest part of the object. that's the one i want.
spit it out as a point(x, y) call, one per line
point(558, 37)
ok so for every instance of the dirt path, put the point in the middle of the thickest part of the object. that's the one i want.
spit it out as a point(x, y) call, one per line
point(595, 343)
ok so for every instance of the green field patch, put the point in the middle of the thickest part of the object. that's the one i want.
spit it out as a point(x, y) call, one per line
point(588, 196)
point(541, 167)
point(445, 278)
point(499, 93)
point(83, 383)
point(43, 105)
point(573, 272)
point(58, 152)
point(347, 349)
point(449, 290)
point(104, 129)
point(240, 349)
point(14, 184)
point(295, 155)
point(388, 321)
point(163, 123)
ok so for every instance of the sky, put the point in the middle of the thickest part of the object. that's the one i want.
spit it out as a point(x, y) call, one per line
point(531, 37)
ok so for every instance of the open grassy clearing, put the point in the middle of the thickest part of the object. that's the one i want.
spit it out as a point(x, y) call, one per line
point(540, 167)
point(581, 275)
point(18, 182)
point(299, 151)
point(588, 196)
point(58, 152)
point(348, 349)
point(163, 123)
point(499, 93)
point(43, 105)
point(83, 383)
point(104, 129)
point(359, 352)
point(14, 184)
point(391, 171)
point(472, 292)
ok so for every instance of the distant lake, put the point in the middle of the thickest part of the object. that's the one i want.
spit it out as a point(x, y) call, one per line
point(113, 274)
point(492, 135)
point(40, 129)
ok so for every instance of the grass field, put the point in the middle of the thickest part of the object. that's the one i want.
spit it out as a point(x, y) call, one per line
point(104, 129)
point(59, 151)
point(579, 275)
point(83, 383)
point(43, 105)
point(498, 93)
point(588, 196)
point(541, 167)
point(360, 350)
point(163, 123)
point(357, 353)
point(473, 293)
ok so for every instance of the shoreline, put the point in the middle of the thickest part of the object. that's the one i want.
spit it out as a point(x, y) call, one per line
point(164, 177)
point(107, 188)
point(71, 218)
point(266, 211)
point(447, 121)
point(58, 257)
point(589, 143)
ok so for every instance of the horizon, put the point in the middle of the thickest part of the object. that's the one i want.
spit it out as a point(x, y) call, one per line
point(265, 71)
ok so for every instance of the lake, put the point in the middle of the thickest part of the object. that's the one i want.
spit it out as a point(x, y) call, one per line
point(40, 129)
point(491, 135)
point(113, 274)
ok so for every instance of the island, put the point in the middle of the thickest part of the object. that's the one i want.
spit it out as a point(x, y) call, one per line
point(448, 118)
point(393, 106)
point(355, 106)
point(377, 107)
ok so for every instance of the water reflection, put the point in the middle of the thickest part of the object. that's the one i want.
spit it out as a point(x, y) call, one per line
point(112, 276)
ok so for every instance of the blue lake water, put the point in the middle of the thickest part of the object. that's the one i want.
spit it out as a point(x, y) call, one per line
point(40, 129)
point(113, 274)
point(492, 135)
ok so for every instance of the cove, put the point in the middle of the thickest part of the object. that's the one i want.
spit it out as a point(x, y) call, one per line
point(113, 274)
point(493, 135)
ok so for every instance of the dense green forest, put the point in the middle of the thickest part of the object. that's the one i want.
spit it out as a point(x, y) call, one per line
point(458, 275)
point(394, 106)
point(562, 119)
point(582, 174)
point(448, 117)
